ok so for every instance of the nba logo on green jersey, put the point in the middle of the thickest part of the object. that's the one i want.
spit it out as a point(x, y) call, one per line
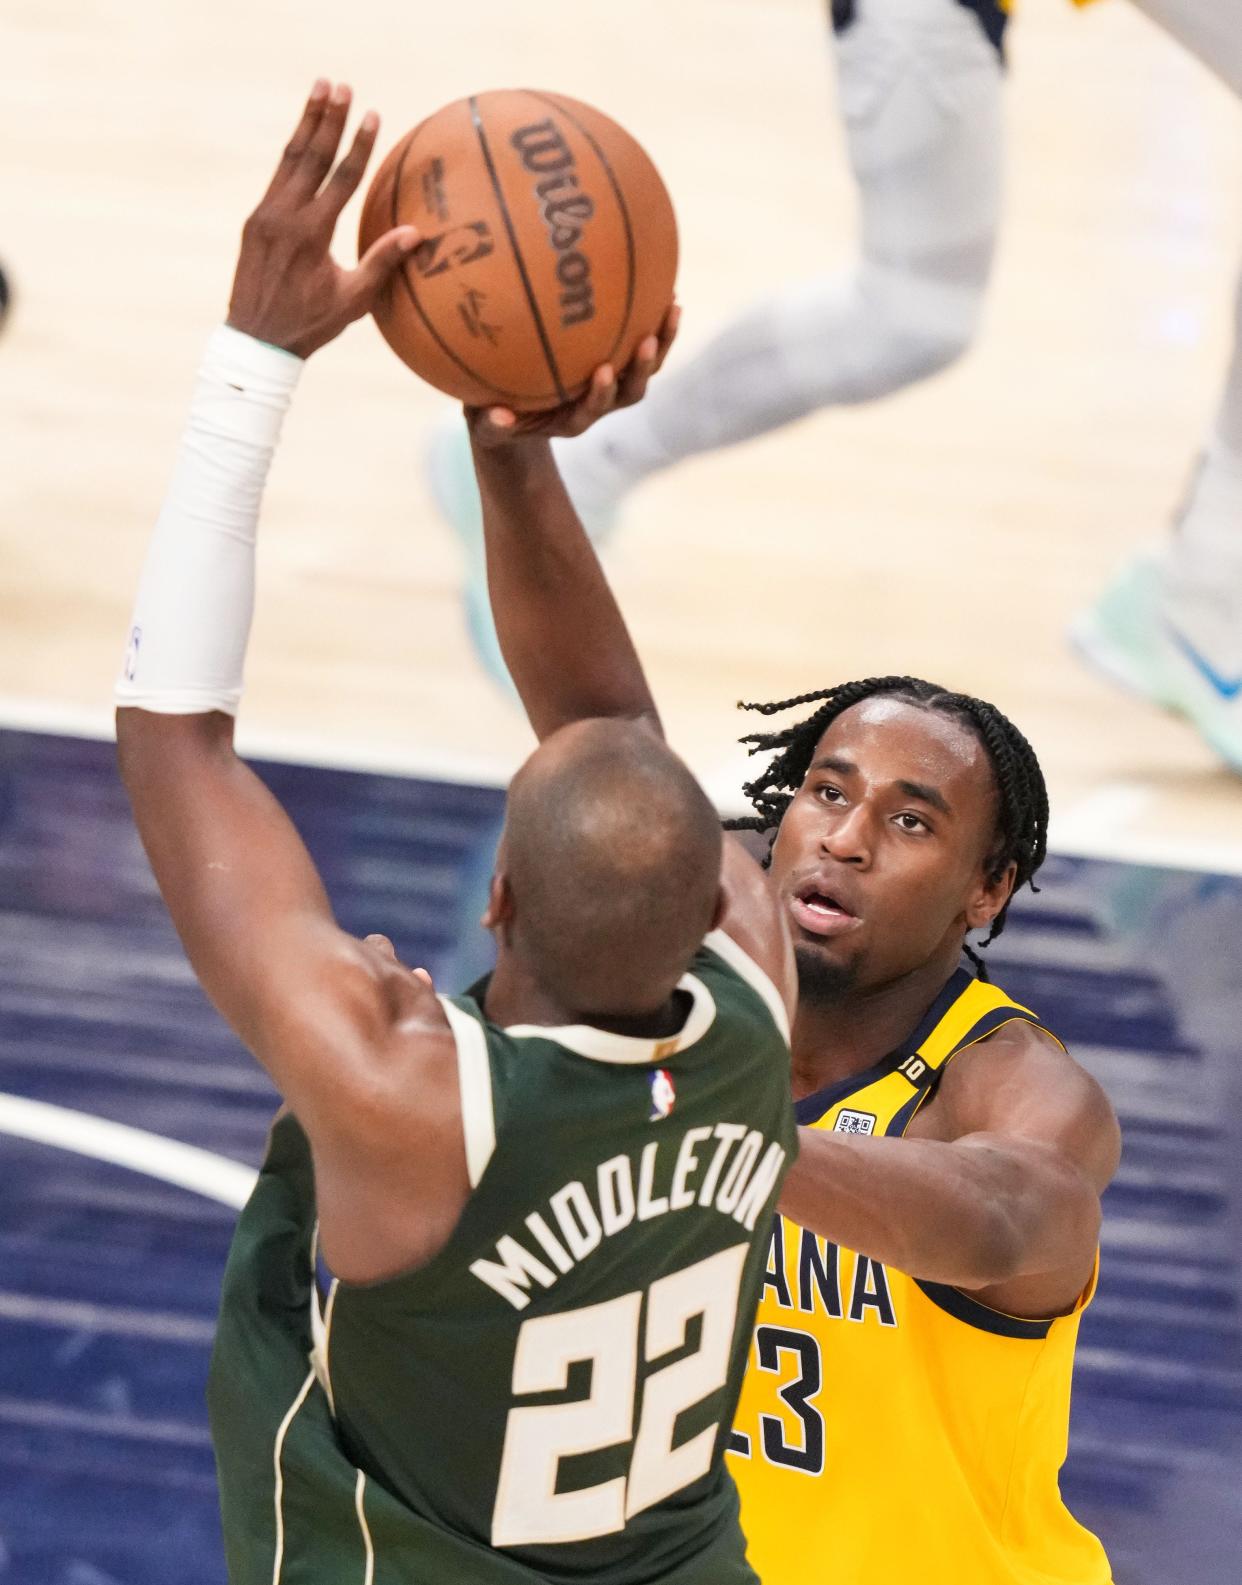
point(663, 1095)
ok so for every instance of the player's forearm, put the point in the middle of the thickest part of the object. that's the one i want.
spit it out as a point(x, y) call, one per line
point(561, 632)
point(181, 681)
point(971, 1214)
point(223, 851)
point(191, 621)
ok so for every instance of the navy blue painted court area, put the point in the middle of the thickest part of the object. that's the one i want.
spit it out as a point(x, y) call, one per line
point(109, 1274)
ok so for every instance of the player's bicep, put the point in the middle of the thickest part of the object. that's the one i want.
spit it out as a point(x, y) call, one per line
point(1052, 1132)
point(1023, 1087)
point(754, 919)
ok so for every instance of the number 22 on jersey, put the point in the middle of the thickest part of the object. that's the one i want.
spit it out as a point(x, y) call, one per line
point(529, 1510)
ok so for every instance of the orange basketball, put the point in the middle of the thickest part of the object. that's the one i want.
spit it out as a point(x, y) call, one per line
point(549, 247)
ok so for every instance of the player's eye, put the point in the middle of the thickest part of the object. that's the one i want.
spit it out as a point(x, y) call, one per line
point(829, 793)
point(907, 821)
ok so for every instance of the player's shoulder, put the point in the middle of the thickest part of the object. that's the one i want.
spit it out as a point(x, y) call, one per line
point(1020, 1057)
point(1021, 1079)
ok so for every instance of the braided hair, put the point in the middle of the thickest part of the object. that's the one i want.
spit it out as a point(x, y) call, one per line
point(1022, 822)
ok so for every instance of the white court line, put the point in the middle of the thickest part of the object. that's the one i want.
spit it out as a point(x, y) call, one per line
point(111, 1319)
point(1099, 816)
point(1099, 827)
point(288, 748)
point(201, 1171)
point(32, 715)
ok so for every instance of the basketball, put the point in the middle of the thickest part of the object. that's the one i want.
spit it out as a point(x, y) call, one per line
point(549, 246)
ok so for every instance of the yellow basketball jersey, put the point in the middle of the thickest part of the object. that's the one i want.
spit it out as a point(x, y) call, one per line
point(891, 1430)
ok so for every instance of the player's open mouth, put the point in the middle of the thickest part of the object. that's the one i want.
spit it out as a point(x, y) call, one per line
point(820, 912)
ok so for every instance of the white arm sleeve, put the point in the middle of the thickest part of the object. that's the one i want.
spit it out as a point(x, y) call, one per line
point(191, 622)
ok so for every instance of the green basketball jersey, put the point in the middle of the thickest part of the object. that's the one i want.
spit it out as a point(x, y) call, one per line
point(548, 1398)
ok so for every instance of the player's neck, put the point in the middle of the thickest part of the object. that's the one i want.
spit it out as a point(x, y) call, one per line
point(838, 1037)
point(516, 997)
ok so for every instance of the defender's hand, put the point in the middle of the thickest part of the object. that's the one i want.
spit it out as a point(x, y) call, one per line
point(288, 290)
point(499, 426)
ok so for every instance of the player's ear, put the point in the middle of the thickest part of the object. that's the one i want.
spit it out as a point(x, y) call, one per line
point(990, 896)
point(499, 910)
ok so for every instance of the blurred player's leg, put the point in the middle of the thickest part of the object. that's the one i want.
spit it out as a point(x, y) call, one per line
point(1212, 30)
point(1170, 625)
point(920, 89)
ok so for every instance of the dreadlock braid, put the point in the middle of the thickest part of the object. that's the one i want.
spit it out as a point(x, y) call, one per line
point(1022, 822)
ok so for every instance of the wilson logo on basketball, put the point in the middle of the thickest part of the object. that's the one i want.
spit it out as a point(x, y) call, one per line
point(565, 208)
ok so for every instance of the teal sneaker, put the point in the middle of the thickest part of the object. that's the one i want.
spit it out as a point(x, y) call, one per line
point(1172, 641)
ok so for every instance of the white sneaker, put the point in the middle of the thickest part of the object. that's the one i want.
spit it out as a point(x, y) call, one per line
point(1174, 640)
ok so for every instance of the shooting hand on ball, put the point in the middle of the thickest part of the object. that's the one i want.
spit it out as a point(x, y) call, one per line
point(499, 426)
point(288, 289)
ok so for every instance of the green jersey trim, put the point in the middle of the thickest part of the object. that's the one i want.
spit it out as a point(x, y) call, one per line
point(321, 1328)
point(360, 1492)
point(278, 1559)
point(601, 1045)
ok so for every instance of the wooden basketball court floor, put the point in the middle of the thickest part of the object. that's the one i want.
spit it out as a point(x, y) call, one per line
point(950, 531)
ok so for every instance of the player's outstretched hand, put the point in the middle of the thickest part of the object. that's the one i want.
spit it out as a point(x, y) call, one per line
point(499, 426)
point(288, 289)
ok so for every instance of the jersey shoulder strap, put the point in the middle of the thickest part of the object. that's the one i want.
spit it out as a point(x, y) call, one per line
point(967, 1011)
point(884, 1098)
point(474, 1078)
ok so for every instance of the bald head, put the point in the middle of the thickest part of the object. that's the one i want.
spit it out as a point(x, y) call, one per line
point(611, 855)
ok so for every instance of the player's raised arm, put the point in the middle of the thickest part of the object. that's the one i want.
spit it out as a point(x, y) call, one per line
point(314, 1004)
point(562, 635)
point(561, 631)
